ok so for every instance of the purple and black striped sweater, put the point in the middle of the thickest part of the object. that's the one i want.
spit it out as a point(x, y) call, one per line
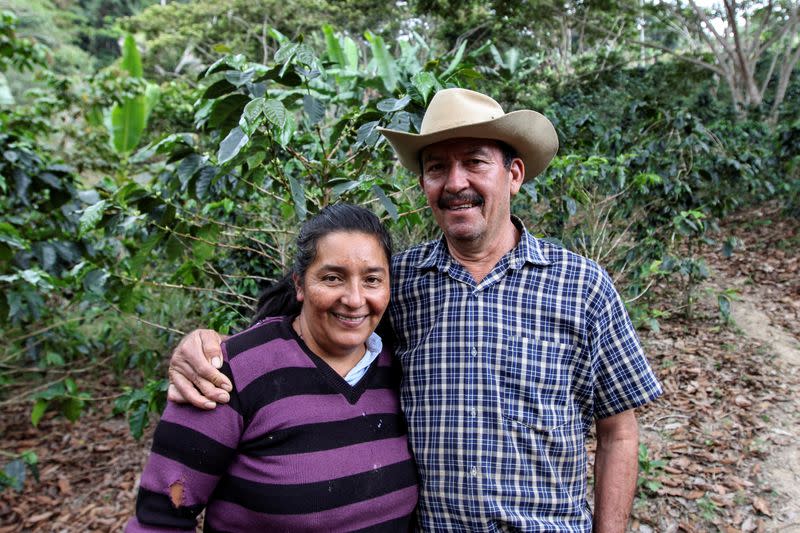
point(296, 449)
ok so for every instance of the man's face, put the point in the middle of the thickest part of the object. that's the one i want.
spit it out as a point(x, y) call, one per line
point(469, 189)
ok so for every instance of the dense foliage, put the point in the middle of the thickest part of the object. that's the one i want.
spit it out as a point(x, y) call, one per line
point(159, 192)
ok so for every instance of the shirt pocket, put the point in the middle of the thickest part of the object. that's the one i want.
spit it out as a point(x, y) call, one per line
point(536, 383)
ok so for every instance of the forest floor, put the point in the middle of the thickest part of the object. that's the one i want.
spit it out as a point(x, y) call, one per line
point(722, 445)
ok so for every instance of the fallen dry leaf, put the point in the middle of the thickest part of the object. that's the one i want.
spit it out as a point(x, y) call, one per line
point(761, 505)
point(64, 486)
point(39, 517)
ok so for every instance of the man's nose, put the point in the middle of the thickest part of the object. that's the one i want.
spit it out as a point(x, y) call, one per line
point(456, 178)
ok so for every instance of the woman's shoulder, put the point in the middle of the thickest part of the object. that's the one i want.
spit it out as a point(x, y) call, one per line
point(262, 333)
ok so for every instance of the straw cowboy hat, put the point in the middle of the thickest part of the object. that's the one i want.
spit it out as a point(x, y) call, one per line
point(459, 113)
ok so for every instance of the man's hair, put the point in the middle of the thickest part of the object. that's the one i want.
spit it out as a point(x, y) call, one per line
point(281, 298)
point(509, 154)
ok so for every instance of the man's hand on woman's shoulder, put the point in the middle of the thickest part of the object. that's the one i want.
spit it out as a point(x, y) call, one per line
point(193, 371)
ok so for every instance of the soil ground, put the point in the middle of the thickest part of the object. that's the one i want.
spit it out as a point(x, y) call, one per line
point(722, 445)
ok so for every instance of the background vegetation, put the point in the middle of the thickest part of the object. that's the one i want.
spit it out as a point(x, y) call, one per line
point(156, 158)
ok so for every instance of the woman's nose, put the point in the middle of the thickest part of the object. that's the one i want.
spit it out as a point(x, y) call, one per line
point(353, 296)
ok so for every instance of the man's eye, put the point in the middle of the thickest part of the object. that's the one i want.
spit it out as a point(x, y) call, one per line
point(330, 278)
point(374, 280)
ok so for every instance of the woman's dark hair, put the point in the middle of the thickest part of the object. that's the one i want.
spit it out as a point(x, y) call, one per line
point(281, 298)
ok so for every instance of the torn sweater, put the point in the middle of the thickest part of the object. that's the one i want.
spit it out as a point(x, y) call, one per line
point(296, 449)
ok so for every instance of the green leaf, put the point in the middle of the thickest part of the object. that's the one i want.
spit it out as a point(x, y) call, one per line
point(400, 121)
point(127, 124)
point(368, 133)
point(12, 237)
point(530, 188)
point(95, 280)
point(37, 278)
point(390, 105)
point(137, 420)
point(226, 111)
point(456, 61)
point(286, 52)
point(287, 132)
point(39, 408)
point(152, 93)
point(252, 116)
point(91, 216)
point(512, 60)
point(232, 145)
point(314, 109)
point(496, 55)
point(138, 260)
point(240, 78)
point(6, 97)
point(204, 179)
point(129, 119)
point(237, 61)
point(54, 359)
point(383, 61)
point(204, 247)
point(306, 56)
point(341, 188)
point(351, 54)
point(299, 198)
point(131, 60)
point(386, 202)
point(424, 82)
point(72, 409)
point(335, 52)
point(275, 112)
point(218, 88)
point(188, 167)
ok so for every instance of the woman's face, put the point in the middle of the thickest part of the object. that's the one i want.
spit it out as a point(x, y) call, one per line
point(344, 293)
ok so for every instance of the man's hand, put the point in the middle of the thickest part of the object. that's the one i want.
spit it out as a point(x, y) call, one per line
point(193, 374)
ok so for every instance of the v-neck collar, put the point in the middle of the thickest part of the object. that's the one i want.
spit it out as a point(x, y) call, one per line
point(352, 393)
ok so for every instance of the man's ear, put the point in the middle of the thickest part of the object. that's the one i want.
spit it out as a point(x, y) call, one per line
point(298, 287)
point(517, 170)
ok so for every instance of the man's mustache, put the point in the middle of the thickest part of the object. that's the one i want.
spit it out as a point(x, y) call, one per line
point(447, 200)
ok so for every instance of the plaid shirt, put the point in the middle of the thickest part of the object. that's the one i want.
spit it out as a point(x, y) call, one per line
point(503, 380)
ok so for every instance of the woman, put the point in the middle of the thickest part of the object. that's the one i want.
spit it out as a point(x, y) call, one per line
point(313, 438)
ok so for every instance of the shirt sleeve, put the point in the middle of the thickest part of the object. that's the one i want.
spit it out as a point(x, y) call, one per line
point(191, 450)
point(623, 377)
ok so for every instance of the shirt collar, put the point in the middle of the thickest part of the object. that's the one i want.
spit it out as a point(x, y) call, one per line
point(374, 347)
point(528, 250)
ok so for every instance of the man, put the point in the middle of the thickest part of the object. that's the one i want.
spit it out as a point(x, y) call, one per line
point(511, 347)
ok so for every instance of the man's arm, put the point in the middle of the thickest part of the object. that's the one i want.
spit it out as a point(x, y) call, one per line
point(616, 467)
point(193, 374)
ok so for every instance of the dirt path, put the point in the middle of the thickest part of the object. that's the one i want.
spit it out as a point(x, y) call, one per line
point(765, 272)
point(782, 470)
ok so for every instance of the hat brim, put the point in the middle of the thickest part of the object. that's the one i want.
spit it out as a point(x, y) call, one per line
point(528, 132)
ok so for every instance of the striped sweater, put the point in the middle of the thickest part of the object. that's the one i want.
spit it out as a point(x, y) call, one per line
point(296, 449)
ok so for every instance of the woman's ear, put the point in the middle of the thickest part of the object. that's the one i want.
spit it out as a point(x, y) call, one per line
point(298, 287)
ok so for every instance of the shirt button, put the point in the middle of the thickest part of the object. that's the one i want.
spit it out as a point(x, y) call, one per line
point(473, 412)
point(474, 351)
point(473, 471)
